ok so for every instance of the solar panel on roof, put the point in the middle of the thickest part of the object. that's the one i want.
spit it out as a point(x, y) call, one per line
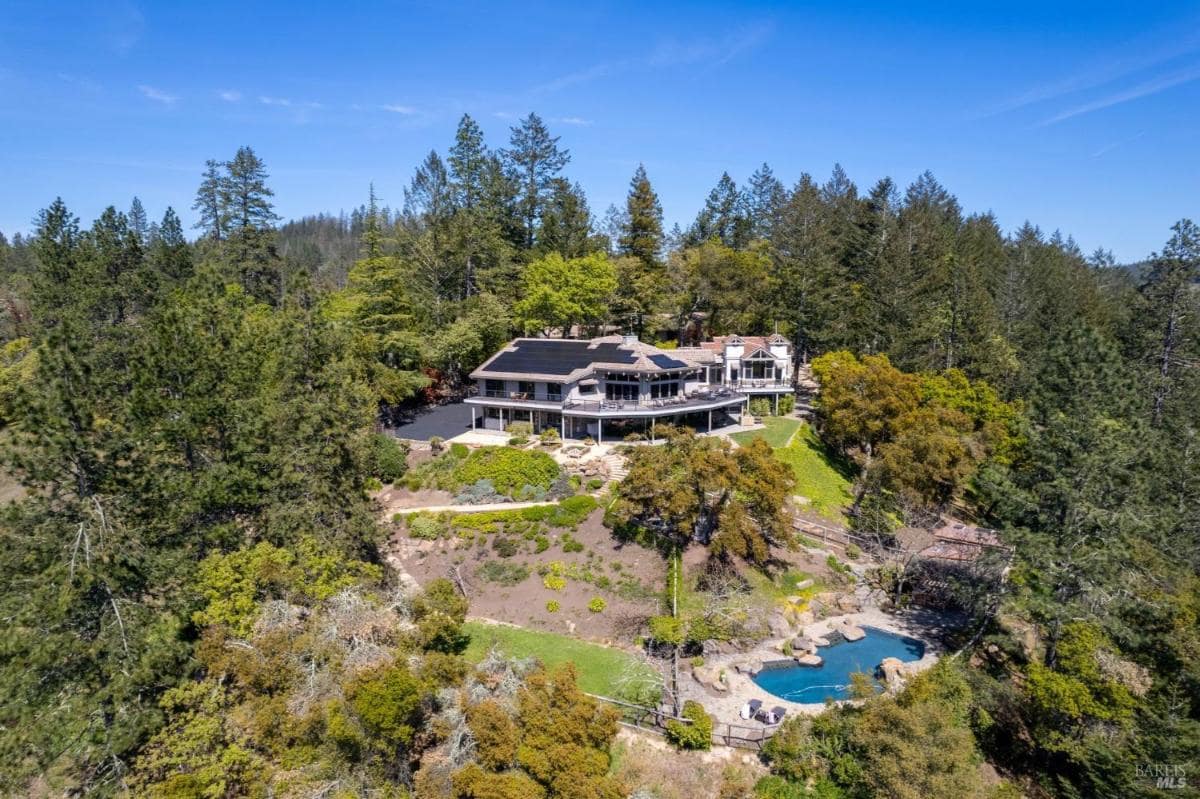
point(556, 357)
point(667, 362)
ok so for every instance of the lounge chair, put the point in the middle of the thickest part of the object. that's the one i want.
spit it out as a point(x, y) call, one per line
point(771, 717)
point(750, 709)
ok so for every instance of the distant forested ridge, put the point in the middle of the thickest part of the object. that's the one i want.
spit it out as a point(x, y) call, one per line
point(173, 398)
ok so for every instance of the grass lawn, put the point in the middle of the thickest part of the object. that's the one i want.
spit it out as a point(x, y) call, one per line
point(599, 667)
point(818, 476)
point(779, 430)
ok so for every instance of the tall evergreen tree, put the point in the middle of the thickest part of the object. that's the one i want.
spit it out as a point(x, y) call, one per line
point(210, 203)
point(246, 204)
point(170, 256)
point(1172, 318)
point(138, 222)
point(55, 245)
point(642, 233)
point(534, 159)
point(765, 197)
point(723, 216)
point(567, 222)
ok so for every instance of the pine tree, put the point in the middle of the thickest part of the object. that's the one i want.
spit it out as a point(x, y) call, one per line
point(642, 233)
point(468, 162)
point(246, 204)
point(723, 216)
point(138, 222)
point(56, 249)
point(170, 256)
point(567, 222)
point(534, 160)
point(765, 197)
point(372, 232)
point(1173, 313)
point(210, 203)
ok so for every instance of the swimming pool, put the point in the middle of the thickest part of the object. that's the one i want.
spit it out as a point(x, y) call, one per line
point(807, 684)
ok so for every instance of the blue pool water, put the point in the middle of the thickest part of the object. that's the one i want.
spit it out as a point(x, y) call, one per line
point(831, 679)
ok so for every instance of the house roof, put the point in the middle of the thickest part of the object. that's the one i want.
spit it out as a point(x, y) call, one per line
point(751, 343)
point(570, 359)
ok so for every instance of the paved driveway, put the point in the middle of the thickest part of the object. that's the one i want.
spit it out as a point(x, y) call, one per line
point(445, 421)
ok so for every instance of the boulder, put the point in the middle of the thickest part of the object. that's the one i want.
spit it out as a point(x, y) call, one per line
point(803, 617)
point(803, 644)
point(852, 633)
point(849, 604)
point(809, 659)
point(779, 625)
point(750, 667)
point(893, 671)
point(808, 583)
point(709, 677)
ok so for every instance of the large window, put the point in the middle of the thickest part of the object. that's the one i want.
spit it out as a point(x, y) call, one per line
point(493, 388)
point(626, 392)
point(554, 391)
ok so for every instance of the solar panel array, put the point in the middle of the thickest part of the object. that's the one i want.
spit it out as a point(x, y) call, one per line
point(551, 357)
point(667, 362)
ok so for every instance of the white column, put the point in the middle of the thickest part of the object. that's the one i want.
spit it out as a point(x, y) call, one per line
point(472, 417)
point(710, 421)
point(600, 430)
point(562, 423)
point(776, 404)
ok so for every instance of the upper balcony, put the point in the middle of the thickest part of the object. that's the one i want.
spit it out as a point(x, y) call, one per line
point(645, 406)
point(763, 386)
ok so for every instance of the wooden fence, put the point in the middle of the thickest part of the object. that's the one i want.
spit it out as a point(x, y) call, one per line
point(654, 720)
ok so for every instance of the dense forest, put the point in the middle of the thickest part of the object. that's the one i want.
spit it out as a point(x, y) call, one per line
point(194, 597)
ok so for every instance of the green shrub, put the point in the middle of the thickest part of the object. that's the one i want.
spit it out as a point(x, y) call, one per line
point(505, 547)
point(520, 429)
point(697, 661)
point(575, 481)
point(372, 484)
point(571, 511)
point(541, 543)
point(760, 407)
point(666, 629)
point(634, 437)
point(787, 404)
point(569, 544)
point(698, 734)
point(853, 551)
point(595, 484)
point(518, 441)
point(510, 470)
point(437, 444)
point(459, 451)
point(389, 458)
point(554, 582)
point(597, 605)
point(428, 528)
point(550, 436)
point(495, 571)
point(552, 606)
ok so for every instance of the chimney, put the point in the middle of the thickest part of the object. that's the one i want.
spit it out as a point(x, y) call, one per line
point(629, 339)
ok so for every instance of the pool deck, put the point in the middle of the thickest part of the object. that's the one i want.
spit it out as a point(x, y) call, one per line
point(727, 706)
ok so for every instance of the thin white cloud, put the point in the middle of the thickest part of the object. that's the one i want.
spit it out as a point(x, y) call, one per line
point(1108, 148)
point(230, 95)
point(157, 95)
point(406, 110)
point(506, 115)
point(1146, 89)
point(580, 121)
point(669, 53)
point(284, 102)
point(1135, 56)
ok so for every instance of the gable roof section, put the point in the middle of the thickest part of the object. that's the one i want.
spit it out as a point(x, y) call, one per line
point(570, 359)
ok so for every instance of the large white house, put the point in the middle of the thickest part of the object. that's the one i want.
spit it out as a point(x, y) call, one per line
point(615, 385)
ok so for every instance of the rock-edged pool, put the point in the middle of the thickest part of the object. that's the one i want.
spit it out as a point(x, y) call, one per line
point(831, 680)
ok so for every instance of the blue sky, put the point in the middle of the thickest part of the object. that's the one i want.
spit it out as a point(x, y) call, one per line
point(1082, 117)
